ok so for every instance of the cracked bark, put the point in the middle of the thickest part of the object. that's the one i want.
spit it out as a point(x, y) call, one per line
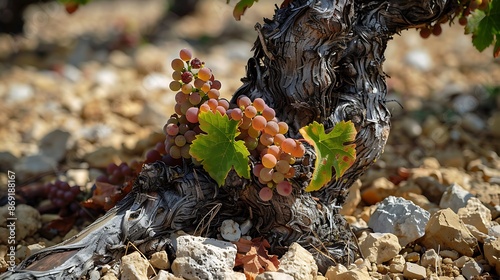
point(314, 61)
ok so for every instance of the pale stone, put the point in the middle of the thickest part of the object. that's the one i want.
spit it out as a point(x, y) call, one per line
point(476, 214)
point(430, 258)
point(109, 276)
point(400, 217)
point(165, 275)
point(414, 271)
point(160, 260)
point(352, 199)
point(101, 157)
point(230, 230)
point(273, 275)
point(55, 144)
point(492, 253)
point(471, 269)
point(335, 270)
point(134, 267)
point(452, 254)
point(353, 274)
point(378, 191)
point(202, 258)
point(34, 165)
point(480, 237)
point(380, 247)
point(413, 257)
point(455, 197)
point(28, 222)
point(460, 262)
point(494, 231)
point(299, 263)
point(446, 231)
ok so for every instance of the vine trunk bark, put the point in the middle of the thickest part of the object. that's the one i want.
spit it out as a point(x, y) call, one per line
point(314, 61)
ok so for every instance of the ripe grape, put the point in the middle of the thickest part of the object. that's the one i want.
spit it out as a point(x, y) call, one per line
point(283, 127)
point(192, 114)
point(221, 110)
point(180, 97)
point(256, 169)
point(198, 83)
point(278, 139)
point(266, 174)
point(273, 150)
point(204, 107)
point(282, 166)
point(259, 123)
point(236, 114)
point(175, 86)
point(266, 194)
point(196, 63)
point(187, 88)
point(259, 104)
point(288, 145)
point(177, 75)
point(152, 156)
point(462, 20)
point(246, 122)
point(284, 188)
point(177, 64)
point(171, 129)
point(269, 160)
point(251, 143)
point(187, 77)
point(250, 111)
point(195, 98)
point(205, 74)
point(243, 101)
point(252, 132)
point(425, 32)
point(278, 177)
point(271, 128)
point(216, 84)
point(185, 152)
point(185, 54)
point(205, 87)
point(180, 140)
point(266, 139)
point(437, 30)
point(298, 151)
point(175, 152)
point(190, 136)
point(213, 93)
point(224, 103)
point(268, 113)
point(213, 103)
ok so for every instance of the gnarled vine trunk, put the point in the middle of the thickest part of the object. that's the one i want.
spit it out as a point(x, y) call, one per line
point(314, 61)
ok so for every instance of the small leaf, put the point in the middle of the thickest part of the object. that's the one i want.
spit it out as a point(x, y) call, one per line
point(241, 7)
point(330, 151)
point(218, 150)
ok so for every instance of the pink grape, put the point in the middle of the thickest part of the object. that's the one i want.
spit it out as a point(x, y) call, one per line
point(266, 194)
point(185, 54)
point(192, 114)
point(259, 123)
point(284, 188)
point(269, 160)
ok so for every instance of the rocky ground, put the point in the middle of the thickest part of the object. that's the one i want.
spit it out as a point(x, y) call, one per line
point(80, 91)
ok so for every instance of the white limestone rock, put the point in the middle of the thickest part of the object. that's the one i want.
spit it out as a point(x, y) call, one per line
point(274, 275)
point(299, 263)
point(230, 230)
point(455, 197)
point(380, 247)
point(476, 214)
point(471, 269)
point(203, 258)
point(400, 217)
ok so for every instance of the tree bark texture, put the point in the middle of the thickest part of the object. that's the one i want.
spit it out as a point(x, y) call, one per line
point(314, 61)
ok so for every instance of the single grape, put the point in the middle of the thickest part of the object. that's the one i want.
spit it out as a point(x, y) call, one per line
point(282, 166)
point(198, 83)
point(216, 84)
point(268, 113)
point(221, 110)
point(172, 129)
point(437, 30)
point(284, 188)
point(175, 86)
point(192, 114)
point(252, 132)
point(185, 106)
point(185, 152)
point(256, 169)
point(250, 111)
point(204, 107)
point(224, 103)
point(462, 21)
point(288, 145)
point(243, 101)
point(177, 64)
point(236, 114)
point(266, 174)
point(183, 127)
point(177, 75)
point(190, 136)
point(187, 88)
point(152, 156)
point(205, 87)
point(259, 104)
point(269, 161)
point(245, 123)
point(110, 168)
point(213, 93)
point(196, 63)
point(180, 140)
point(271, 128)
point(266, 194)
point(274, 150)
point(259, 123)
point(175, 152)
point(181, 97)
point(283, 127)
point(278, 177)
point(278, 139)
point(425, 32)
point(195, 98)
point(187, 77)
point(205, 74)
point(266, 139)
point(185, 54)
point(251, 143)
point(213, 103)
point(298, 151)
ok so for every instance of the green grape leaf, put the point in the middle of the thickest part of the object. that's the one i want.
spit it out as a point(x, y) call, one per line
point(331, 151)
point(484, 26)
point(241, 7)
point(218, 150)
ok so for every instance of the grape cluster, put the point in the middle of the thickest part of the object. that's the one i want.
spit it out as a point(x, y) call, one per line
point(263, 135)
point(464, 9)
point(197, 91)
point(61, 194)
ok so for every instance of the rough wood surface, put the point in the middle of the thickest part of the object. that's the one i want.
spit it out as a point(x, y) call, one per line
point(314, 61)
